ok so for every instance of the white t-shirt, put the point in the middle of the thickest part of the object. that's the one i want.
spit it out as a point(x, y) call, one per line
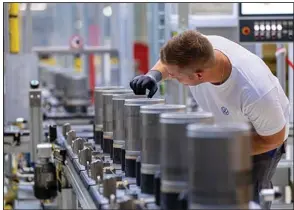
point(251, 93)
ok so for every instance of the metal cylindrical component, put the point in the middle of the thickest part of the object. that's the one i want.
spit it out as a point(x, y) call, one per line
point(133, 121)
point(222, 176)
point(107, 96)
point(118, 102)
point(76, 88)
point(98, 108)
point(65, 128)
point(138, 171)
point(98, 102)
point(96, 168)
point(45, 185)
point(123, 158)
point(77, 145)
point(119, 133)
point(117, 150)
point(174, 154)
point(126, 202)
point(174, 148)
point(151, 141)
point(71, 135)
point(157, 185)
point(109, 185)
point(133, 131)
point(85, 156)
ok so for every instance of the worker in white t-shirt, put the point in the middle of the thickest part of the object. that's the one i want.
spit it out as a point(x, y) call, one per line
point(235, 85)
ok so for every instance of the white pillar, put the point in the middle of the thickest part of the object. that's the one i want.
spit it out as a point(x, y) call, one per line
point(290, 78)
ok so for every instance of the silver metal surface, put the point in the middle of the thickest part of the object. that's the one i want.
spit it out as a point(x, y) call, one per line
point(66, 128)
point(36, 121)
point(82, 194)
point(85, 156)
point(71, 135)
point(44, 150)
point(67, 199)
point(20, 69)
point(221, 176)
point(96, 169)
point(118, 101)
point(109, 185)
point(174, 148)
point(281, 66)
point(76, 88)
point(107, 107)
point(98, 102)
point(151, 133)
point(60, 81)
point(77, 145)
point(126, 202)
point(133, 121)
point(69, 51)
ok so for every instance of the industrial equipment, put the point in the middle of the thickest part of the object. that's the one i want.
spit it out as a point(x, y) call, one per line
point(174, 156)
point(151, 142)
point(126, 151)
point(72, 171)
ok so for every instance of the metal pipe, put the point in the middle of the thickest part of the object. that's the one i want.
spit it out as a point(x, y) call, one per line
point(98, 109)
point(36, 121)
point(133, 131)
point(69, 51)
point(28, 29)
point(107, 95)
point(151, 141)
point(281, 65)
point(174, 154)
point(6, 28)
point(220, 178)
point(119, 128)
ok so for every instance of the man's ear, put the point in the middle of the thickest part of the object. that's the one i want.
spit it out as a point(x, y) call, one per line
point(199, 75)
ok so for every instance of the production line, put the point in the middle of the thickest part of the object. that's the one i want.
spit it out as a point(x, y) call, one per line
point(133, 152)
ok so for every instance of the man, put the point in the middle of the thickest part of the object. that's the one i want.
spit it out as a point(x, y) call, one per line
point(235, 85)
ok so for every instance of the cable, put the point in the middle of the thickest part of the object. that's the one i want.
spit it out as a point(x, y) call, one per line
point(290, 63)
point(284, 50)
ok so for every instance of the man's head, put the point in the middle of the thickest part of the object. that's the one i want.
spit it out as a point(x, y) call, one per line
point(188, 57)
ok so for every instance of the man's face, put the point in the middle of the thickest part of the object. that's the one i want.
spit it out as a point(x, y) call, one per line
point(185, 78)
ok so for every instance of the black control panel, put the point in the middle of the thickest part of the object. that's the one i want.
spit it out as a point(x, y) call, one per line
point(266, 30)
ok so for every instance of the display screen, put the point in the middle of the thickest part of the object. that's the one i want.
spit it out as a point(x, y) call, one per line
point(266, 9)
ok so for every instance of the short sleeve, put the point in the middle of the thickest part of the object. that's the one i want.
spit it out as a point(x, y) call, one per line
point(266, 114)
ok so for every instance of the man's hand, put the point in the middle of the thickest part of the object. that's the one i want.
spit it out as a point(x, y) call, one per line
point(140, 83)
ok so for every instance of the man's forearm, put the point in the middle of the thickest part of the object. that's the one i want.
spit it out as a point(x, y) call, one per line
point(260, 145)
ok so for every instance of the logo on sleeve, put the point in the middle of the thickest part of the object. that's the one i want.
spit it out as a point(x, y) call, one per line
point(225, 110)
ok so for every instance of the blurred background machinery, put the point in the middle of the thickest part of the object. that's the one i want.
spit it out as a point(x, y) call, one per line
point(66, 70)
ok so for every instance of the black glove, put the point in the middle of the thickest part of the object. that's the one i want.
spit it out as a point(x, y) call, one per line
point(149, 81)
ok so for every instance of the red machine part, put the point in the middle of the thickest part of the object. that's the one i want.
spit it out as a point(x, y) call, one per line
point(141, 55)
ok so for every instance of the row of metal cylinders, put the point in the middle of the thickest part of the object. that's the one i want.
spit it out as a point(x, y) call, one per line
point(189, 149)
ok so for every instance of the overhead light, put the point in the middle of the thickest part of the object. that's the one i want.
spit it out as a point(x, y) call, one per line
point(34, 6)
point(107, 11)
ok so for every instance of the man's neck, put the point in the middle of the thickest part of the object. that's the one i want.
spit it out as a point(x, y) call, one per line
point(221, 70)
